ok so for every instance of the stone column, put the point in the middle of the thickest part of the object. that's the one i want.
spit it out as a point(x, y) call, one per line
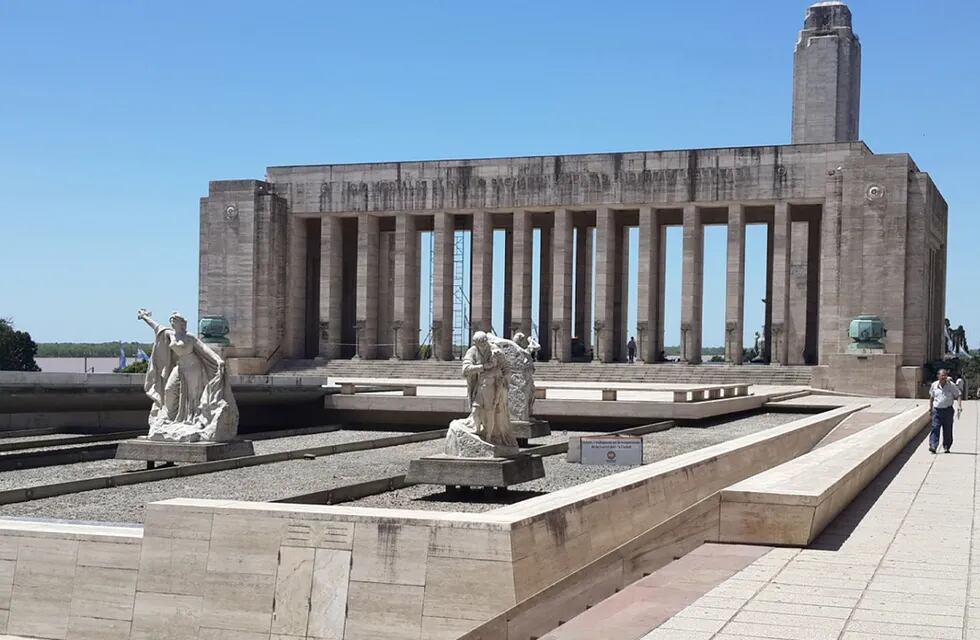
point(605, 285)
point(661, 296)
point(481, 265)
point(735, 286)
point(294, 342)
point(386, 295)
point(561, 280)
point(406, 287)
point(367, 286)
point(331, 286)
point(692, 286)
point(545, 267)
point(798, 293)
point(523, 254)
point(442, 287)
point(649, 342)
point(583, 286)
point(621, 306)
point(781, 249)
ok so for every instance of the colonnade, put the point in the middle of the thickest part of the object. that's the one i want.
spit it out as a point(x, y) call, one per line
point(375, 260)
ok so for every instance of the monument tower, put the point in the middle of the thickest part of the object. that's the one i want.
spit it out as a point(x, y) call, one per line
point(827, 77)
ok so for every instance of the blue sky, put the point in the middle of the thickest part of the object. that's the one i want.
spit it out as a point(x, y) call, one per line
point(115, 115)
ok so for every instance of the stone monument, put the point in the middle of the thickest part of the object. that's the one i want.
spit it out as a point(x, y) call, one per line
point(481, 449)
point(520, 355)
point(194, 417)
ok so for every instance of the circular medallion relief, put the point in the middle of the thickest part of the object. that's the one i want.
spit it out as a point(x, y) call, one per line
point(875, 192)
point(231, 212)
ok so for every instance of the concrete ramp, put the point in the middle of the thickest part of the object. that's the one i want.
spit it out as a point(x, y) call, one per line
point(792, 503)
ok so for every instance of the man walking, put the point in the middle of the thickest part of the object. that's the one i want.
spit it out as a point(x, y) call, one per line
point(942, 393)
point(631, 349)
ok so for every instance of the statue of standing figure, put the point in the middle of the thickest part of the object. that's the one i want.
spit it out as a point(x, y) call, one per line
point(487, 431)
point(955, 339)
point(189, 386)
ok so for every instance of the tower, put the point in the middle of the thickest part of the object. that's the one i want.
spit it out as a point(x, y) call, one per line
point(826, 76)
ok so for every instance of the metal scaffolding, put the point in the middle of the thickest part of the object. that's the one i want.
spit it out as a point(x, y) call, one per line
point(461, 302)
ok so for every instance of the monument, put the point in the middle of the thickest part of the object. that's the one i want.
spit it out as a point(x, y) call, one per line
point(193, 417)
point(314, 259)
point(481, 449)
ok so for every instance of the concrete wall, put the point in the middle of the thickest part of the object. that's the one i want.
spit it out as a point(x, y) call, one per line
point(69, 581)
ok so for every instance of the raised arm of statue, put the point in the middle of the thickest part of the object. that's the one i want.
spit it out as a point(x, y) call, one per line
point(144, 315)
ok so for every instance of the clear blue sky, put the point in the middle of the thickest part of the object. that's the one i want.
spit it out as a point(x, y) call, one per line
point(115, 115)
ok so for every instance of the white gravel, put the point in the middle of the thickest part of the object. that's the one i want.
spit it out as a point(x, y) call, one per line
point(259, 483)
point(78, 471)
point(285, 479)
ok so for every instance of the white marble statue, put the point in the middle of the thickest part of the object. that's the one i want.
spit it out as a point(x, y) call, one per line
point(189, 387)
point(520, 360)
point(487, 431)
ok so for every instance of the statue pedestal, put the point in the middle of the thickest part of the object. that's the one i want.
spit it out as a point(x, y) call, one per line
point(453, 472)
point(533, 428)
point(160, 451)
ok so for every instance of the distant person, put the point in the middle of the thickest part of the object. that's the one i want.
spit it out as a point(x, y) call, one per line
point(631, 349)
point(942, 394)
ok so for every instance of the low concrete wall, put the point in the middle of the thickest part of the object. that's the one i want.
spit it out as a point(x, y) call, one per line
point(549, 608)
point(792, 503)
point(68, 581)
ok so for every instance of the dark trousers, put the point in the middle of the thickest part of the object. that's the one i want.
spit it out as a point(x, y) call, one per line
point(631, 354)
point(941, 418)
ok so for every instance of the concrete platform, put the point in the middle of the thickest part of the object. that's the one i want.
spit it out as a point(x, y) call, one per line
point(156, 451)
point(533, 428)
point(475, 472)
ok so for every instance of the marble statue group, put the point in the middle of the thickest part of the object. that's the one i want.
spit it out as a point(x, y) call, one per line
point(188, 385)
point(499, 377)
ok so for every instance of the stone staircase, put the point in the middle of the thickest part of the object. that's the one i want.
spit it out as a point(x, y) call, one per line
point(559, 372)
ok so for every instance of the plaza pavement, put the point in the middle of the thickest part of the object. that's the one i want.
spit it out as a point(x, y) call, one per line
point(897, 563)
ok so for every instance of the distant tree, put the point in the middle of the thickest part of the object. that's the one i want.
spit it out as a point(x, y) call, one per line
point(17, 350)
point(971, 373)
point(88, 349)
point(140, 366)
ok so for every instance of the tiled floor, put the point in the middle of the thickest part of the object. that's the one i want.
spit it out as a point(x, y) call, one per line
point(898, 563)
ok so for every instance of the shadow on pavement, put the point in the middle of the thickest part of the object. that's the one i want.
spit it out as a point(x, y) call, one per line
point(844, 524)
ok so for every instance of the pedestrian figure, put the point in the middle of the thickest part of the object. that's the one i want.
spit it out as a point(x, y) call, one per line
point(942, 394)
point(631, 349)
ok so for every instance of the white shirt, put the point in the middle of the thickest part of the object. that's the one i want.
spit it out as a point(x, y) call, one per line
point(942, 397)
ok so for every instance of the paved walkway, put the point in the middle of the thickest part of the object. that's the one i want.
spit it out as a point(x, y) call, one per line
point(898, 563)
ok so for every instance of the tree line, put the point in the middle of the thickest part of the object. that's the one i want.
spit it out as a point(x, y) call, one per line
point(89, 349)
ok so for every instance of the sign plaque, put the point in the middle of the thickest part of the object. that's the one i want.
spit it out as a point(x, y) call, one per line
point(625, 451)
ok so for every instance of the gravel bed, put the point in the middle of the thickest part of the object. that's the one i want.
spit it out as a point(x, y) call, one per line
point(63, 473)
point(40, 438)
point(275, 445)
point(60, 447)
point(560, 474)
point(260, 483)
